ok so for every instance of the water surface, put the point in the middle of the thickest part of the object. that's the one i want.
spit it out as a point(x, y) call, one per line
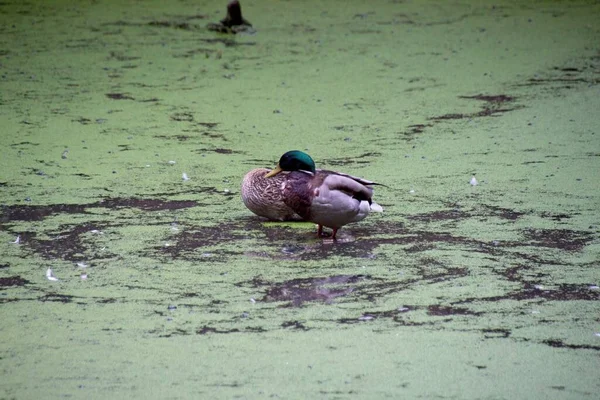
point(170, 288)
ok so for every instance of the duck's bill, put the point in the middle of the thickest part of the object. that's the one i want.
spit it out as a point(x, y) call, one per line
point(274, 171)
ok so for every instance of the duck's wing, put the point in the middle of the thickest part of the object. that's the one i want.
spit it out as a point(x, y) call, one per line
point(355, 187)
point(359, 188)
point(348, 185)
point(362, 181)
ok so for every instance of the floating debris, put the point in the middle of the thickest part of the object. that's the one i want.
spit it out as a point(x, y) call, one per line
point(366, 317)
point(17, 240)
point(64, 154)
point(171, 162)
point(233, 22)
point(185, 177)
point(473, 181)
point(252, 300)
point(82, 265)
point(84, 277)
point(50, 275)
point(96, 232)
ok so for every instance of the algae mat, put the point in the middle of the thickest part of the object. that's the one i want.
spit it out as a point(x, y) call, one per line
point(169, 288)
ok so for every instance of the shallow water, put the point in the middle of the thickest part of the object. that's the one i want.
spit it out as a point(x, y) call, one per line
point(170, 288)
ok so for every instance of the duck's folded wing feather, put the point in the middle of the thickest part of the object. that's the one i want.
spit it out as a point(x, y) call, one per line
point(362, 181)
point(349, 185)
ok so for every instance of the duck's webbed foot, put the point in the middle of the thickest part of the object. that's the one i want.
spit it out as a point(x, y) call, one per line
point(320, 231)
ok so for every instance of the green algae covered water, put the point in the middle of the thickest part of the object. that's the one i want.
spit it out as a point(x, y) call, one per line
point(121, 279)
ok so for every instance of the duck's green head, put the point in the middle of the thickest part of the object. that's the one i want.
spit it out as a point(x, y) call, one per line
point(294, 160)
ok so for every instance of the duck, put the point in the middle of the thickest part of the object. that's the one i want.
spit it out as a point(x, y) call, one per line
point(296, 190)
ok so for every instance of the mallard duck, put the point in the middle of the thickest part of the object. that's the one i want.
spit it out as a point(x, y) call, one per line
point(327, 198)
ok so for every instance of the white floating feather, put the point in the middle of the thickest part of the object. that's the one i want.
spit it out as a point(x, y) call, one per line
point(50, 275)
point(473, 181)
